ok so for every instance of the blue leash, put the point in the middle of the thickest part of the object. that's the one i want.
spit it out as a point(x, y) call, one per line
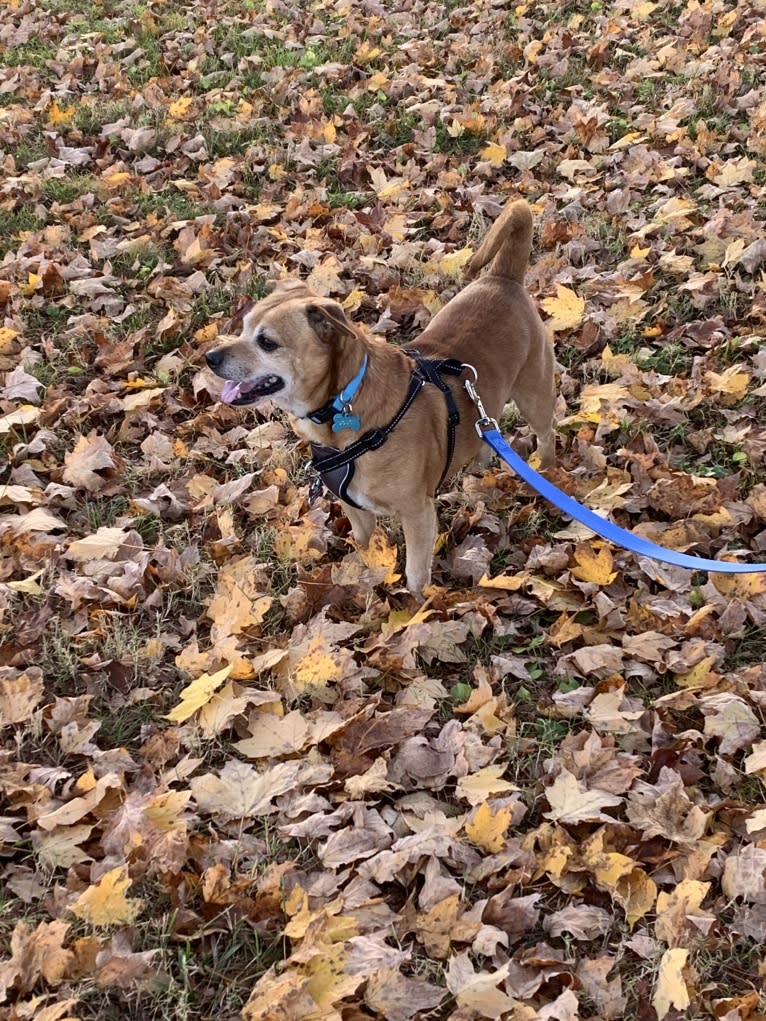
point(489, 431)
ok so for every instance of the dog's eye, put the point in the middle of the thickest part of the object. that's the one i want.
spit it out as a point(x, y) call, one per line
point(266, 343)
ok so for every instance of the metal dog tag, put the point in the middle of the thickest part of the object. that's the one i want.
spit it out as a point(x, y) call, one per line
point(345, 421)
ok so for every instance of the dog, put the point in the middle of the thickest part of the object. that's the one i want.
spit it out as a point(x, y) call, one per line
point(388, 423)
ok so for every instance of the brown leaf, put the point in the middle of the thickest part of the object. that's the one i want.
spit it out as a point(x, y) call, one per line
point(19, 697)
point(399, 998)
point(93, 464)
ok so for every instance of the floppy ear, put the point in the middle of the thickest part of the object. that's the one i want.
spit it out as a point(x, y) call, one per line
point(328, 321)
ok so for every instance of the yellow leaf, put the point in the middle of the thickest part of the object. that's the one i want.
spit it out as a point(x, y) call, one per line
point(453, 262)
point(197, 694)
point(28, 585)
point(377, 82)
point(275, 995)
point(353, 300)
point(637, 894)
point(105, 902)
point(164, 810)
point(380, 554)
point(732, 383)
point(671, 988)
point(487, 829)
point(7, 337)
point(476, 787)
point(316, 668)
point(115, 179)
point(180, 108)
point(740, 586)
point(700, 674)
point(494, 153)
point(58, 116)
point(329, 980)
point(566, 309)
point(238, 603)
point(637, 252)
point(505, 582)
point(366, 52)
point(594, 566)
point(674, 909)
point(34, 280)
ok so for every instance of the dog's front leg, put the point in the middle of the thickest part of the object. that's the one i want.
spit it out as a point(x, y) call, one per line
point(362, 523)
point(420, 527)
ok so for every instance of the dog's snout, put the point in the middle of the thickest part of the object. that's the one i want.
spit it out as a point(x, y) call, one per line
point(214, 358)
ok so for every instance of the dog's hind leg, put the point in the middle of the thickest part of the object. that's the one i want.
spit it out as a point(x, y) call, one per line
point(420, 528)
point(539, 413)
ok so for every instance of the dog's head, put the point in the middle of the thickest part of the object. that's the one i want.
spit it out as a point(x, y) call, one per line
point(292, 350)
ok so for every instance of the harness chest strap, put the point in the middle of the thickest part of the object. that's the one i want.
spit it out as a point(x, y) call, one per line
point(335, 467)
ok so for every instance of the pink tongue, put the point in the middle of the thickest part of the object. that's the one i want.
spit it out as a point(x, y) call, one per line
point(231, 391)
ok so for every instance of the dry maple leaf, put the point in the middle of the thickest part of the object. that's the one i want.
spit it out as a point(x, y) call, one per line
point(486, 828)
point(399, 998)
point(105, 903)
point(35, 954)
point(477, 991)
point(731, 719)
point(566, 309)
point(572, 802)
point(197, 694)
point(671, 990)
point(583, 921)
point(239, 602)
point(92, 455)
point(19, 697)
point(681, 910)
point(744, 874)
point(240, 792)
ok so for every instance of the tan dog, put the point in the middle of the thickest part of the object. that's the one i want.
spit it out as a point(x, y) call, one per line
point(300, 351)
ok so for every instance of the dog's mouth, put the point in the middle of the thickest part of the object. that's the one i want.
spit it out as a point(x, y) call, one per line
point(250, 390)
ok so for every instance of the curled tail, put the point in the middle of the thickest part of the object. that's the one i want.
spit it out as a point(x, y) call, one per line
point(507, 245)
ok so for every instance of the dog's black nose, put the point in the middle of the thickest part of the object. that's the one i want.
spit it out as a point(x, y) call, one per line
point(214, 358)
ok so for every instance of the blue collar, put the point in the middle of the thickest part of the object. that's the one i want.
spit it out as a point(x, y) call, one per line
point(339, 409)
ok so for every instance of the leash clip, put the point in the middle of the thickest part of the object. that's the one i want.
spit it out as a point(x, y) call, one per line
point(484, 423)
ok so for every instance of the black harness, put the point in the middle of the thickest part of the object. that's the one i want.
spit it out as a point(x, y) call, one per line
point(336, 468)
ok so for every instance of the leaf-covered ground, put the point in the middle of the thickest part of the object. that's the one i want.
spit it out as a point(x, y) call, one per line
point(242, 772)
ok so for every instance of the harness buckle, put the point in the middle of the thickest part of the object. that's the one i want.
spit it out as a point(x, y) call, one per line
point(484, 422)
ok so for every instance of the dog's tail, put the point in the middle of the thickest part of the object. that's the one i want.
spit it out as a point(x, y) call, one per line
point(507, 245)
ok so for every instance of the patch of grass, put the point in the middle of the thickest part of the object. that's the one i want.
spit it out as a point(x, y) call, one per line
point(122, 727)
point(63, 190)
point(15, 222)
point(466, 144)
point(90, 117)
point(747, 649)
point(170, 203)
point(103, 513)
point(33, 53)
point(211, 975)
point(671, 359)
point(59, 660)
point(399, 129)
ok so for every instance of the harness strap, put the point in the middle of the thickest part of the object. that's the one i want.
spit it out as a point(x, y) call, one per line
point(336, 467)
point(432, 370)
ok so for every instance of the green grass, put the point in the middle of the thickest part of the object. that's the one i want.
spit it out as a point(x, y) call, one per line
point(15, 222)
